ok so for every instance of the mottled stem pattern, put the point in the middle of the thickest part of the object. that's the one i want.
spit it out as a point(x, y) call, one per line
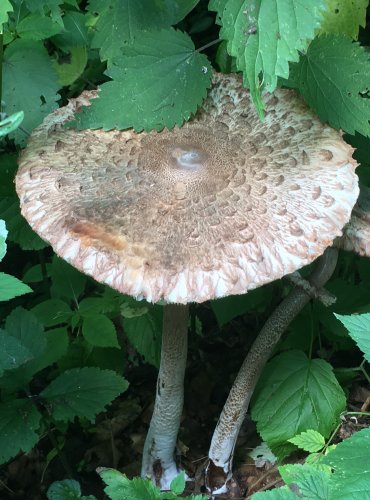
point(159, 450)
point(225, 435)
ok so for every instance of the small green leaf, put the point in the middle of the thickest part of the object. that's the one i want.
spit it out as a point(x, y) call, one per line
point(69, 71)
point(19, 421)
point(12, 352)
point(23, 325)
point(145, 334)
point(309, 481)
point(333, 77)
point(52, 312)
point(67, 282)
point(294, 394)
point(178, 484)
point(10, 123)
point(343, 16)
point(11, 287)
point(5, 7)
point(3, 235)
point(99, 331)
point(358, 326)
point(68, 489)
point(119, 486)
point(309, 440)
point(82, 392)
point(75, 32)
point(159, 81)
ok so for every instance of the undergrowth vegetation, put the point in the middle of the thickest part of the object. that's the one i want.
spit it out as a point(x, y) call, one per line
point(66, 342)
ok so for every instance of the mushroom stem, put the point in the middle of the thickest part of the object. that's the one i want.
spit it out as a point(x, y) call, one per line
point(220, 457)
point(159, 450)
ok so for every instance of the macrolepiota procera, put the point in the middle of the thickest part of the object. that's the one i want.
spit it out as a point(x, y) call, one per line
point(220, 206)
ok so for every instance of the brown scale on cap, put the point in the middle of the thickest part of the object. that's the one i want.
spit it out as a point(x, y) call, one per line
point(220, 206)
point(356, 234)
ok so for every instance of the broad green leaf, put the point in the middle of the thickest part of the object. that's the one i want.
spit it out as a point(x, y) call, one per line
point(351, 464)
point(3, 235)
point(99, 331)
point(178, 484)
point(20, 231)
point(29, 83)
point(145, 334)
point(36, 27)
point(358, 326)
point(121, 21)
point(45, 7)
point(295, 394)
point(5, 7)
point(11, 287)
point(10, 123)
point(92, 305)
point(309, 440)
point(344, 16)
point(12, 352)
point(333, 77)
point(23, 325)
point(67, 282)
point(19, 421)
point(265, 35)
point(277, 494)
point(68, 489)
point(35, 273)
point(119, 486)
point(159, 81)
point(75, 32)
point(82, 392)
point(312, 483)
point(52, 312)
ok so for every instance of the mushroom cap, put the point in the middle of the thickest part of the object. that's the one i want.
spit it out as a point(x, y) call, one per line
point(356, 234)
point(217, 207)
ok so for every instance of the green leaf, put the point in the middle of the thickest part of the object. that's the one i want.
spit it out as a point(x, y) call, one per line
point(12, 352)
point(295, 394)
point(20, 231)
point(36, 27)
point(121, 21)
point(23, 325)
point(358, 326)
point(19, 421)
point(343, 16)
point(52, 312)
point(5, 7)
point(97, 305)
point(29, 83)
point(69, 71)
point(333, 77)
point(75, 32)
point(264, 36)
point(67, 282)
point(82, 392)
point(350, 461)
point(277, 494)
point(312, 483)
point(68, 489)
point(45, 7)
point(11, 287)
point(99, 331)
point(309, 440)
point(159, 81)
point(10, 123)
point(228, 308)
point(119, 486)
point(178, 484)
point(3, 235)
point(145, 334)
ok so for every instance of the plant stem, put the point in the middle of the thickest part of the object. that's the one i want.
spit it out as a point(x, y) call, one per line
point(233, 414)
point(159, 450)
point(1, 67)
point(207, 45)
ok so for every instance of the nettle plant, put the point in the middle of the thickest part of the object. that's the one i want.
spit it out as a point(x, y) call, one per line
point(170, 182)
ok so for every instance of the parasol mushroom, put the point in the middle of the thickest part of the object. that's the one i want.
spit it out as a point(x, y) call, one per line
point(218, 207)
